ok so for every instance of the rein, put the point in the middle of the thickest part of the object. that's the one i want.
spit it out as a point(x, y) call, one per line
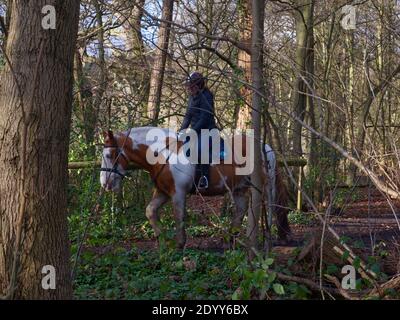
point(166, 162)
point(114, 169)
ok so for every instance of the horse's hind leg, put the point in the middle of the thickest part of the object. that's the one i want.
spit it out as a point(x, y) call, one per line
point(159, 198)
point(240, 197)
point(282, 223)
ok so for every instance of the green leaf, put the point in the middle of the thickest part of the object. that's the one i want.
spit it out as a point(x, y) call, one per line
point(344, 239)
point(235, 296)
point(356, 263)
point(271, 277)
point(376, 268)
point(302, 292)
point(278, 288)
point(332, 269)
point(358, 244)
point(258, 277)
point(267, 262)
point(345, 255)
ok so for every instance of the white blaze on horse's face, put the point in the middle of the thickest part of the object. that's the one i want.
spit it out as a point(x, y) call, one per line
point(110, 181)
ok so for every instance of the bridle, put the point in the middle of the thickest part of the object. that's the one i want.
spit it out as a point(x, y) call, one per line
point(114, 169)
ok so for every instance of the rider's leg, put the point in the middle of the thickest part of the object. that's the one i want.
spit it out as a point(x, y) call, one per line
point(204, 167)
point(204, 178)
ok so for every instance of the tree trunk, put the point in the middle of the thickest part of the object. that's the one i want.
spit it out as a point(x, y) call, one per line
point(157, 73)
point(258, 7)
point(304, 55)
point(310, 68)
point(244, 63)
point(92, 108)
point(139, 77)
point(350, 121)
point(35, 114)
point(79, 80)
point(134, 30)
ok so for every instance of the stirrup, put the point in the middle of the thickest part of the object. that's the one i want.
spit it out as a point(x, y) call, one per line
point(203, 183)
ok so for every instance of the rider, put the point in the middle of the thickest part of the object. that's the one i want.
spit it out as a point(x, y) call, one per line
point(199, 115)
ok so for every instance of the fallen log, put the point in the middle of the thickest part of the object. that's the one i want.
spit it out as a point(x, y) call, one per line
point(342, 291)
point(292, 162)
point(76, 165)
point(84, 165)
point(315, 286)
point(333, 252)
point(381, 291)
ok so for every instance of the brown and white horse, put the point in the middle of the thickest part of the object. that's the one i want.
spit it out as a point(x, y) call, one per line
point(174, 180)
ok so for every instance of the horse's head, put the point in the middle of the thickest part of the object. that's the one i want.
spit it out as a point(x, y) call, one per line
point(114, 163)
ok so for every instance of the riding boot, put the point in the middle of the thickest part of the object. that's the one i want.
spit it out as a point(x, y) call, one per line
point(204, 176)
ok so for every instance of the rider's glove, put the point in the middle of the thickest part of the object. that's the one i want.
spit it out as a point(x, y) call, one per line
point(182, 134)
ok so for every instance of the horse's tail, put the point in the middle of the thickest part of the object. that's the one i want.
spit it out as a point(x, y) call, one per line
point(281, 207)
point(277, 193)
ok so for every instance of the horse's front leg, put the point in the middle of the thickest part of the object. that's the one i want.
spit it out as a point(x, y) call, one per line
point(159, 198)
point(179, 204)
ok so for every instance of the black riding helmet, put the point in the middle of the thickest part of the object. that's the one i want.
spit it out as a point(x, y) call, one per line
point(196, 79)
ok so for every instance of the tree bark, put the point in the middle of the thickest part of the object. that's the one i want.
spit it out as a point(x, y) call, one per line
point(139, 77)
point(349, 131)
point(157, 73)
point(258, 7)
point(134, 32)
point(35, 114)
point(244, 63)
point(304, 63)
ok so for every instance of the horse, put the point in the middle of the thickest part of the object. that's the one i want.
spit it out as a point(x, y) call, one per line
point(174, 180)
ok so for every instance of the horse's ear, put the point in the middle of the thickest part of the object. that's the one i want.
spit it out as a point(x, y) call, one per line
point(108, 134)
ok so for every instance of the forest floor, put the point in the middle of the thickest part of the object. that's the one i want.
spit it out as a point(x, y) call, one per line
point(132, 267)
point(369, 221)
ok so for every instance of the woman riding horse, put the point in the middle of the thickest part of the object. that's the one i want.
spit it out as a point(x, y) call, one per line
point(173, 180)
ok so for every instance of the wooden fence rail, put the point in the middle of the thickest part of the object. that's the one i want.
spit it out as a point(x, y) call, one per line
point(75, 165)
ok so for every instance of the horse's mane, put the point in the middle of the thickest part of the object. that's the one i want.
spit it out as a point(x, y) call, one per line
point(138, 134)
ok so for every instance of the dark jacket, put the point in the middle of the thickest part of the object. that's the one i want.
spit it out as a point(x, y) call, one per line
point(200, 112)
